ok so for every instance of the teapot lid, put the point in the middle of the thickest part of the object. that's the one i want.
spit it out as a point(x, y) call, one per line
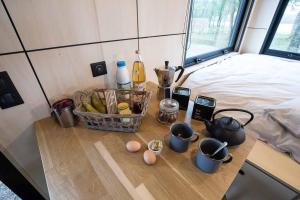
point(229, 123)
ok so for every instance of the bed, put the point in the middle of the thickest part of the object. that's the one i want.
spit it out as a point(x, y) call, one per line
point(265, 85)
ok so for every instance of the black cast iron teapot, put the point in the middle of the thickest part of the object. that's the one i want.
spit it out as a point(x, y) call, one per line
point(228, 129)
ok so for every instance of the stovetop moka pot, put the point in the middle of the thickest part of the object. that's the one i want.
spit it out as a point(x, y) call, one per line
point(165, 76)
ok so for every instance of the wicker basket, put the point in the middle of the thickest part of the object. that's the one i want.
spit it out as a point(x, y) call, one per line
point(112, 122)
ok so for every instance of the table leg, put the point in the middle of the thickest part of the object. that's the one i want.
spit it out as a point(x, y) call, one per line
point(224, 197)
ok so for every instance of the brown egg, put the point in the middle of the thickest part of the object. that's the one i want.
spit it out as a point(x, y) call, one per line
point(133, 146)
point(149, 157)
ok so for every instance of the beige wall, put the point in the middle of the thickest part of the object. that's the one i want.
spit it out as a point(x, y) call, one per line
point(44, 24)
point(259, 22)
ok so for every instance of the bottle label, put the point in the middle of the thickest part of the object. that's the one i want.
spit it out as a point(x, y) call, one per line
point(124, 86)
point(139, 86)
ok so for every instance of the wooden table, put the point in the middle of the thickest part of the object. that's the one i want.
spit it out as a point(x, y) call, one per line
point(80, 163)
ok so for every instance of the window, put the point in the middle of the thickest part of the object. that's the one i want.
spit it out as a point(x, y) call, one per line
point(213, 28)
point(283, 38)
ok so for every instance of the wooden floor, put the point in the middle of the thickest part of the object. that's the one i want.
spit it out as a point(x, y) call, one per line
point(88, 164)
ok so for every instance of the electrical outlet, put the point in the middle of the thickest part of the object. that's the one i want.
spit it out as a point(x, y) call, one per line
point(9, 95)
point(98, 68)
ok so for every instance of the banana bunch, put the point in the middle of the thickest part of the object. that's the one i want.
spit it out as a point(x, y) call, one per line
point(96, 105)
point(89, 107)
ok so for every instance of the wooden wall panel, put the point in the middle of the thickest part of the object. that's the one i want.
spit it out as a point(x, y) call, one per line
point(15, 120)
point(8, 39)
point(63, 71)
point(156, 51)
point(43, 23)
point(159, 17)
point(116, 19)
point(114, 51)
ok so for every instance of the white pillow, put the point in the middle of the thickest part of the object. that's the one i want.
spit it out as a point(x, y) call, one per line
point(287, 114)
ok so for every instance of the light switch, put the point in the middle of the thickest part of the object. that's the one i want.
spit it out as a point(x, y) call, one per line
point(9, 95)
point(7, 99)
point(2, 84)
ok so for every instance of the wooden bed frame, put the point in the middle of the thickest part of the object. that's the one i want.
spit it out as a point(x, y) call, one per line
point(275, 164)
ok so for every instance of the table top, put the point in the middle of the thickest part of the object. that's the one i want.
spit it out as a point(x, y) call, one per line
point(81, 163)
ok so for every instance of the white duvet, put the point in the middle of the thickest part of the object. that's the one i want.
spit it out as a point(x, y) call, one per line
point(265, 85)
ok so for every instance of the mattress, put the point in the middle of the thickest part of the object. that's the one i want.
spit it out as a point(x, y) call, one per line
point(260, 84)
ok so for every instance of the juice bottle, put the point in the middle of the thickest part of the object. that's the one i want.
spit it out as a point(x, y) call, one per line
point(138, 73)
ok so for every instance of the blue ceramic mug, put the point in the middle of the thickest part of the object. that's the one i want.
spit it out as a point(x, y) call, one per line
point(181, 135)
point(207, 163)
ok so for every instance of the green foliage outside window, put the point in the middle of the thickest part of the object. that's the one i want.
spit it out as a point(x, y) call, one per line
point(287, 36)
point(212, 23)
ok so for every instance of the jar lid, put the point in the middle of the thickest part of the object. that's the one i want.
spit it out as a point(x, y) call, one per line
point(169, 105)
point(62, 104)
point(121, 63)
point(123, 106)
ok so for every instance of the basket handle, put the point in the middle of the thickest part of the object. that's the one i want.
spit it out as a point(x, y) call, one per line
point(78, 97)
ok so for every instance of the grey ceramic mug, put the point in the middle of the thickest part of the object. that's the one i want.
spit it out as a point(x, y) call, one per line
point(207, 147)
point(181, 135)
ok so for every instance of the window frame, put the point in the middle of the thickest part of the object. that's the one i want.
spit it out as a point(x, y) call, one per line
point(265, 49)
point(238, 29)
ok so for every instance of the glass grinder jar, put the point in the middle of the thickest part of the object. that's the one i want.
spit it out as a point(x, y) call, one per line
point(168, 111)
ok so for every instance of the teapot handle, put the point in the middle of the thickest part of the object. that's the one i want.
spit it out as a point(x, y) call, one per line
point(238, 110)
point(181, 72)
